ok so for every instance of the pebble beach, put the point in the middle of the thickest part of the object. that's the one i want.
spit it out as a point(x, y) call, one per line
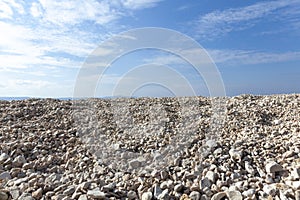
point(46, 150)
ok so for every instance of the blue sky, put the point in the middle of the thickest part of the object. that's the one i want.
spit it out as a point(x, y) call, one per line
point(43, 44)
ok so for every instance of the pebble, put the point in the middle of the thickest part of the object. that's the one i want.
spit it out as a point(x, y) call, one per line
point(147, 196)
point(38, 193)
point(235, 154)
point(19, 161)
point(234, 195)
point(96, 194)
point(131, 195)
point(48, 156)
point(249, 193)
point(3, 195)
point(194, 195)
point(270, 189)
point(212, 176)
point(297, 195)
point(205, 183)
point(178, 187)
point(218, 196)
point(5, 175)
point(3, 157)
point(164, 195)
point(295, 173)
point(83, 197)
point(273, 167)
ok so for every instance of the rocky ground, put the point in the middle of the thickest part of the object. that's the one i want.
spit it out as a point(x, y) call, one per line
point(52, 149)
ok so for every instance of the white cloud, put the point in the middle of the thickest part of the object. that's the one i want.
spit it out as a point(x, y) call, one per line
point(231, 57)
point(7, 8)
point(140, 4)
point(71, 12)
point(5, 11)
point(50, 37)
point(36, 10)
point(218, 23)
point(241, 57)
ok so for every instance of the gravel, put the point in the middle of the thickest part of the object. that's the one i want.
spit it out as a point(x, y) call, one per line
point(150, 148)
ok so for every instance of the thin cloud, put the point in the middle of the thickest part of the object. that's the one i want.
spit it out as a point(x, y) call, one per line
point(230, 57)
point(218, 23)
point(241, 57)
point(139, 4)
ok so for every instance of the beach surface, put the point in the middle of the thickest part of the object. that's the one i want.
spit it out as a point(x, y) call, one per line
point(243, 147)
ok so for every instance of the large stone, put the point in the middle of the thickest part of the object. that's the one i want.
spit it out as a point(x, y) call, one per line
point(195, 195)
point(218, 196)
point(83, 197)
point(3, 157)
point(147, 196)
point(234, 195)
point(212, 176)
point(37, 194)
point(19, 161)
point(96, 194)
point(272, 167)
point(205, 183)
point(295, 173)
point(235, 154)
point(297, 195)
point(131, 195)
point(4, 195)
point(5, 176)
point(270, 189)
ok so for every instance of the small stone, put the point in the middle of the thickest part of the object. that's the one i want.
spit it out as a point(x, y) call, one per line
point(164, 175)
point(184, 197)
point(178, 187)
point(26, 196)
point(76, 195)
point(295, 173)
point(15, 193)
point(235, 154)
point(218, 196)
point(212, 176)
point(83, 197)
point(270, 189)
point(157, 191)
point(19, 161)
point(131, 195)
point(3, 157)
point(273, 167)
point(27, 166)
point(37, 194)
point(234, 195)
point(204, 197)
point(5, 176)
point(205, 183)
point(109, 187)
point(164, 185)
point(164, 195)
point(297, 195)
point(96, 193)
point(282, 195)
point(134, 164)
point(194, 195)
point(277, 122)
point(296, 185)
point(249, 168)
point(69, 191)
point(3, 195)
point(83, 186)
point(147, 196)
point(249, 193)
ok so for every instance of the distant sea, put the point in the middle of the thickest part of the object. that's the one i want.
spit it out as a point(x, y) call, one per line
point(23, 98)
